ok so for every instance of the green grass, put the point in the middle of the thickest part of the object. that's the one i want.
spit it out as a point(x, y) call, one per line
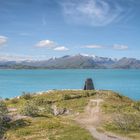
point(111, 127)
point(116, 105)
point(78, 99)
point(54, 128)
point(63, 127)
point(51, 127)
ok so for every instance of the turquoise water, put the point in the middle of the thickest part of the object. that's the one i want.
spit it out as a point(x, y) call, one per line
point(14, 82)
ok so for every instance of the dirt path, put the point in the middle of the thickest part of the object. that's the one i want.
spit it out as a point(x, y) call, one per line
point(92, 118)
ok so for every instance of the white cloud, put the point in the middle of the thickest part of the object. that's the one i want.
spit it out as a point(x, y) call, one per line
point(120, 47)
point(3, 40)
point(115, 47)
point(51, 45)
point(93, 12)
point(46, 43)
point(94, 46)
point(61, 48)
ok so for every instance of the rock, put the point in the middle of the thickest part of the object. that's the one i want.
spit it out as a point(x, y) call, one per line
point(7, 119)
point(59, 111)
point(89, 84)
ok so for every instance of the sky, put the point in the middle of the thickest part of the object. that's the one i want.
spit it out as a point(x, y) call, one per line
point(40, 29)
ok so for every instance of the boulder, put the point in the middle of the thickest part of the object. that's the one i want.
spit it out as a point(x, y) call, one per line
point(59, 111)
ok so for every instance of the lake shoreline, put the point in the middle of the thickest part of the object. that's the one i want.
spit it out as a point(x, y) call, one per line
point(15, 82)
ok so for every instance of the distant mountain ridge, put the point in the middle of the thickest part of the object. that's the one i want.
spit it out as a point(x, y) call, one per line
point(75, 62)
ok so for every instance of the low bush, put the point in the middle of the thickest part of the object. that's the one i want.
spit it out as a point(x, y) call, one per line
point(41, 101)
point(77, 96)
point(67, 97)
point(7, 99)
point(89, 93)
point(14, 101)
point(26, 96)
point(127, 122)
point(137, 105)
point(3, 114)
point(29, 109)
point(47, 109)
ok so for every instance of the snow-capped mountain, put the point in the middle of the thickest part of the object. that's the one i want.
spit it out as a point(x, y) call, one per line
point(82, 61)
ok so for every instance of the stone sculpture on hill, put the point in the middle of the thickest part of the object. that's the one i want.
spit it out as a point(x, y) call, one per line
point(89, 84)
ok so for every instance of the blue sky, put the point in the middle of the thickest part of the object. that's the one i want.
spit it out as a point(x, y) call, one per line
point(45, 28)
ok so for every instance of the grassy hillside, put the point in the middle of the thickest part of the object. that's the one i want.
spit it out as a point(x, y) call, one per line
point(34, 116)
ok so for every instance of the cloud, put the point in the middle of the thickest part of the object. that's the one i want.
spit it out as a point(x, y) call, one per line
point(3, 40)
point(93, 12)
point(115, 47)
point(120, 47)
point(46, 43)
point(61, 48)
point(94, 46)
point(51, 45)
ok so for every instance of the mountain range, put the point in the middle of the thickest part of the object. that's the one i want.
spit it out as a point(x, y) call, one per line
point(72, 62)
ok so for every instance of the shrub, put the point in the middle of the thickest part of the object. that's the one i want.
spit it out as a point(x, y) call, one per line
point(3, 113)
point(3, 108)
point(47, 109)
point(137, 105)
point(29, 109)
point(41, 101)
point(66, 97)
point(26, 96)
point(127, 121)
point(7, 99)
point(93, 93)
point(87, 94)
point(14, 101)
point(119, 96)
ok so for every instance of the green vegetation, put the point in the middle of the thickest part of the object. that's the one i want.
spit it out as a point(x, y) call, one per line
point(136, 105)
point(3, 113)
point(41, 128)
point(40, 123)
point(127, 122)
point(124, 116)
point(34, 117)
point(29, 109)
point(26, 96)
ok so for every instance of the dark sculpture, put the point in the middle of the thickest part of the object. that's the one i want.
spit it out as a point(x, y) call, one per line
point(89, 84)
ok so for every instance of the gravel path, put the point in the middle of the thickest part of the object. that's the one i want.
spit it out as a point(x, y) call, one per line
point(91, 118)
